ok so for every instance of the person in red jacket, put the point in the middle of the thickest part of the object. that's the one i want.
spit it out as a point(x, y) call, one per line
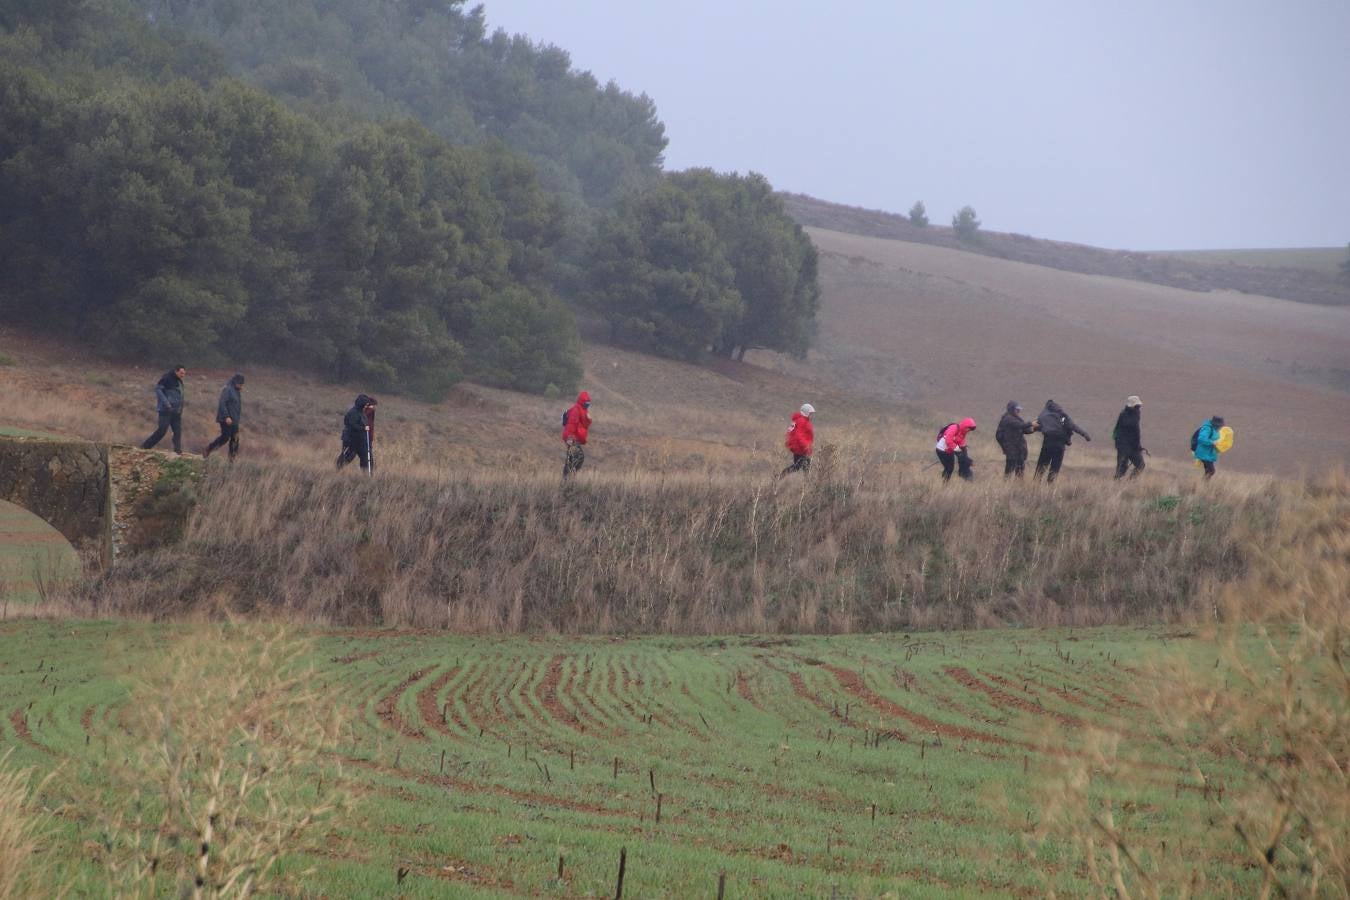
point(576, 425)
point(801, 434)
point(951, 447)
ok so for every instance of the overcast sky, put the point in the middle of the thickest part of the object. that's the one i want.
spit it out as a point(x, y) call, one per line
point(1140, 124)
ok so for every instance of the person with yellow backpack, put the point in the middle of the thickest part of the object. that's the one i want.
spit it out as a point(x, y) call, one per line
point(1209, 441)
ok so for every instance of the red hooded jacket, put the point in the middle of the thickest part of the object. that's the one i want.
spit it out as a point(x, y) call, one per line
point(578, 420)
point(800, 435)
point(955, 435)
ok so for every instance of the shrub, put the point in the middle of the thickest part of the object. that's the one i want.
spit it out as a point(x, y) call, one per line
point(965, 224)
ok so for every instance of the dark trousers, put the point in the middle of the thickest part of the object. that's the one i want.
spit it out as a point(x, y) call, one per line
point(167, 420)
point(799, 464)
point(229, 434)
point(575, 459)
point(1052, 457)
point(350, 453)
point(1209, 468)
point(1126, 458)
point(1014, 466)
point(958, 461)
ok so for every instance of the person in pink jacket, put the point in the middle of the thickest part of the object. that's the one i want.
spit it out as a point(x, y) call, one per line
point(951, 449)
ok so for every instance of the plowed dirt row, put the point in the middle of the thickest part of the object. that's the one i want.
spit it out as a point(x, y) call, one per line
point(1001, 697)
point(432, 714)
point(387, 707)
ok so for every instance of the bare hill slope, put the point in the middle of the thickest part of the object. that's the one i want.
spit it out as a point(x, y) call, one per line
point(1253, 275)
point(962, 333)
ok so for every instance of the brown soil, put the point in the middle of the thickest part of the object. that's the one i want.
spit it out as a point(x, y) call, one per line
point(968, 680)
point(387, 708)
point(431, 713)
point(547, 694)
point(852, 682)
point(20, 723)
point(743, 688)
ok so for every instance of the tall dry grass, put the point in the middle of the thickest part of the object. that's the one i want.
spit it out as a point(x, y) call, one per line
point(1275, 706)
point(220, 769)
point(857, 546)
point(22, 826)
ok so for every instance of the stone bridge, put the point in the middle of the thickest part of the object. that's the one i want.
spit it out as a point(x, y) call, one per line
point(91, 493)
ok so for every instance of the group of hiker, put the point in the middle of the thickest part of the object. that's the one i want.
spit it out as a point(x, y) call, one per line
point(358, 425)
point(1055, 426)
point(170, 398)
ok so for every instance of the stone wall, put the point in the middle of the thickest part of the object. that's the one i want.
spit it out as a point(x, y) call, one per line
point(68, 485)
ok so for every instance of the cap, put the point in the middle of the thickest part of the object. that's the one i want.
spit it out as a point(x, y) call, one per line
point(1132, 400)
point(807, 409)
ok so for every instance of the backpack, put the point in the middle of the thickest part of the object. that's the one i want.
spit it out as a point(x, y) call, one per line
point(943, 430)
point(1195, 439)
point(565, 412)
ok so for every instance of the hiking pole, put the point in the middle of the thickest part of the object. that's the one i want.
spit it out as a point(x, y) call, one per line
point(370, 454)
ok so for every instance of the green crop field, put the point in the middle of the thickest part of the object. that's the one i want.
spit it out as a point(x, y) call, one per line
point(30, 547)
point(898, 765)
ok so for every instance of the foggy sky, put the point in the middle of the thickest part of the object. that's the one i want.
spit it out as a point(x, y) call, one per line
point(1140, 125)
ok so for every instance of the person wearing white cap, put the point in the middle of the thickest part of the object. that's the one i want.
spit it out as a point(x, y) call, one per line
point(1129, 440)
point(801, 434)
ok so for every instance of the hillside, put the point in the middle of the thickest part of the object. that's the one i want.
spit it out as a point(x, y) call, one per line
point(1255, 275)
point(962, 333)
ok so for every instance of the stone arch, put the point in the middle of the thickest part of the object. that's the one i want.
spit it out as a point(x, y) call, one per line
point(68, 485)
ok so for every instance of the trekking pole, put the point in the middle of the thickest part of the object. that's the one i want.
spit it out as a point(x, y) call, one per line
point(370, 454)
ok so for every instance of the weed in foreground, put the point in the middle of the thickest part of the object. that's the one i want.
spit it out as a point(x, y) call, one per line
point(1273, 712)
point(21, 829)
point(223, 767)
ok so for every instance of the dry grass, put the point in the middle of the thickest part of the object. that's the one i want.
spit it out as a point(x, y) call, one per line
point(1278, 707)
point(222, 768)
point(860, 545)
point(21, 832)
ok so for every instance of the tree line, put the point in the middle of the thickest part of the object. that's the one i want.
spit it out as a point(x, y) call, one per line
point(153, 204)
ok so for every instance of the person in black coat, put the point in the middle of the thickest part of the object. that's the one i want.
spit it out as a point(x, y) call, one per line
point(358, 428)
point(229, 409)
point(1057, 430)
point(1011, 437)
point(169, 402)
point(1129, 440)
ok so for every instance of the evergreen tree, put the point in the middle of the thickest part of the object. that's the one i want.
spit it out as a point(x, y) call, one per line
point(918, 215)
point(966, 224)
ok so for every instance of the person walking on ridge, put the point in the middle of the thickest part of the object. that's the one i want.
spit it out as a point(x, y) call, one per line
point(228, 411)
point(1205, 438)
point(1057, 430)
point(576, 426)
point(801, 436)
point(1011, 437)
point(169, 402)
point(1129, 447)
point(951, 448)
point(358, 433)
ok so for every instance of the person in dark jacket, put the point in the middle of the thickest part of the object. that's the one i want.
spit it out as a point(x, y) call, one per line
point(228, 411)
point(1011, 436)
point(1057, 430)
point(169, 404)
point(1129, 440)
point(358, 432)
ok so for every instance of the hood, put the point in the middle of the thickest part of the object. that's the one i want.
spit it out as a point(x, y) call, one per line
point(799, 417)
point(966, 424)
point(362, 401)
point(584, 397)
point(237, 380)
point(1052, 406)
